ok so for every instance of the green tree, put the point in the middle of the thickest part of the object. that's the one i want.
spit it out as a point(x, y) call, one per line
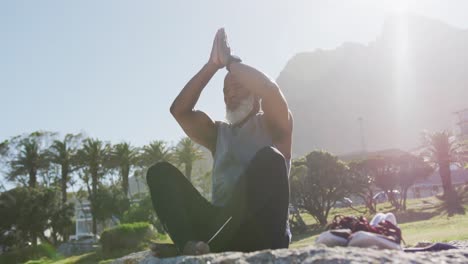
point(143, 211)
point(94, 158)
point(203, 184)
point(60, 219)
point(3, 148)
point(109, 202)
point(363, 182)
point(324, 180)
point(28, 212)
point(186, 153)
point(123, 157)
point(30, 160)
point(156, 151)
point(63, 153)
point(298, 172)
point(411, 168)
point(385, 172)
point(388, 174)
point(442, 149)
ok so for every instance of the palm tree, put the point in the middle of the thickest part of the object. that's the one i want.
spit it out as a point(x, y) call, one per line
point(63, 153)
point(154, 152)
point(442, 149)
point(94, 157)
point(187, 152)
point(123, 157)
point(29, 161)
point(3, 148)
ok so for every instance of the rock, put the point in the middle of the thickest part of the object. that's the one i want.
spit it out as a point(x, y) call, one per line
point(311, 254)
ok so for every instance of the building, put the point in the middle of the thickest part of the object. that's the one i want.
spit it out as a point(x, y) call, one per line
point(136, 186)
point(84, 221)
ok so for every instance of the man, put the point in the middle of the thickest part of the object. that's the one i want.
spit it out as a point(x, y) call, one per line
point(252, 154)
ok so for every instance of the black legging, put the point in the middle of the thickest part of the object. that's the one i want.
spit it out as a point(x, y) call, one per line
point(258, 206)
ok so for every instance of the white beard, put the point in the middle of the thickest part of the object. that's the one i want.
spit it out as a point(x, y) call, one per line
point(241, 112)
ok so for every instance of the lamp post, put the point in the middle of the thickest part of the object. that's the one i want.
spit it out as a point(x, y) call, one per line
point(363, 141)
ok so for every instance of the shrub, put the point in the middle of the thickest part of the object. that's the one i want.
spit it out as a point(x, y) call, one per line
point(126, 236)
point(27, 253)
point(143, 212)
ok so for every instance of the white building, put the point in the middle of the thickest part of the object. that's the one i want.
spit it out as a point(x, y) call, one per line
point(136, 185)
point(84, 221)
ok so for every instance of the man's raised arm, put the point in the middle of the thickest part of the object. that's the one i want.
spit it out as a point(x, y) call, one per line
point(196, 124)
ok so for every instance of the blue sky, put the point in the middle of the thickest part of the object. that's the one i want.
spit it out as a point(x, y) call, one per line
point(112, 68)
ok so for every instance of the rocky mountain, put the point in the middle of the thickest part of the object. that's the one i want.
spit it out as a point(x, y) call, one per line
point(411, 78)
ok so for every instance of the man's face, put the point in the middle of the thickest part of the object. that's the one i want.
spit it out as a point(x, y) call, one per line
point(234, 93)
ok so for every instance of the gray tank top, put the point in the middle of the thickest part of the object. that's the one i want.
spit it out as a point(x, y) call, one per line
point(235, 148)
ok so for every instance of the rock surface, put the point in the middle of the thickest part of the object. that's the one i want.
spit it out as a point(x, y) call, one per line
point(311, 254)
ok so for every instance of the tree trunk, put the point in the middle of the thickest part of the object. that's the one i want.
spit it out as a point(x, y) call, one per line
point(445, 175)
point(367, 197)
point(322, 220)
point(125, 173)
point(94, 225)
point(188, 171)
point(64, 181)
point(32, 178)
point(369, 204)
point(64, 184)
point(94, 192)
point(34, 240)
point(405, 194)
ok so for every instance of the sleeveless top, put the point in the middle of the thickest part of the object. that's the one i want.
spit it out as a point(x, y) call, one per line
point(235, 148)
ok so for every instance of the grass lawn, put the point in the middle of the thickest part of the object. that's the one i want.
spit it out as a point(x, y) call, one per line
point(94, 257)
point(425, 220)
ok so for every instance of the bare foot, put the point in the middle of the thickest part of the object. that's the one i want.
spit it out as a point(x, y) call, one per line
point(161, 250)
point(196, 248)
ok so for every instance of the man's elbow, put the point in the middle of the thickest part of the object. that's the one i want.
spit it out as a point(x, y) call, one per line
point(175, 111)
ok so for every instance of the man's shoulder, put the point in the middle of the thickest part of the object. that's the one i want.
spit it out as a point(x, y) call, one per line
point(221, 123)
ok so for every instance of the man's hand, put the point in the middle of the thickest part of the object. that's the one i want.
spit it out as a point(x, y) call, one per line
point(220, 52)
point(197, 124)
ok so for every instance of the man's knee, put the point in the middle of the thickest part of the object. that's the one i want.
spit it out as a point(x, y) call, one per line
point(159, 172)
point(270, 155)
point(269, 163)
